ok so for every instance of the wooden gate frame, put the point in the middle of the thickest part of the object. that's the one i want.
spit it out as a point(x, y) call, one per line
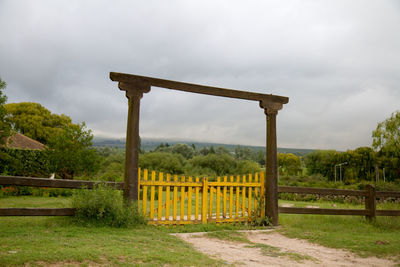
point(135, 86)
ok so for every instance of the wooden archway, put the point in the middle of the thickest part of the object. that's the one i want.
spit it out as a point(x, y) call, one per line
point(135, 86)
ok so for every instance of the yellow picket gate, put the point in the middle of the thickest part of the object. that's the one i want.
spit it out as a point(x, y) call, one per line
point(182, 200)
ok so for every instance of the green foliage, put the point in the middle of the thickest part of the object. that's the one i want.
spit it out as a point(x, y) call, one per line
point(35, 121)
point(186, 151)
point(70, 152)
point(104, 205)
point(211, 165)
point(4, 123)
point(289, 164)
point(162, 162)
point(18, 162)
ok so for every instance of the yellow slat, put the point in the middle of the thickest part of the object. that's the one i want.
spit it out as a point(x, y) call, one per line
point(182, 200)
point(175, 207)
point(160, 197)
point(167, 198)
point(144, 204)
point(152, 194)
point(244, 197)
point(196, 201)
point(231, 198)
point(237, 196)
point(204, 201)
point(139, 172)
point(218, 198)
point(262, 181)
point(250, 189)
point(189, 207)
point(224, 197)
point(211, 201)
point(256, 190)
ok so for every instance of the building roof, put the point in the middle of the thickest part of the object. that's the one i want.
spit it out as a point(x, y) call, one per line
point(20, 141)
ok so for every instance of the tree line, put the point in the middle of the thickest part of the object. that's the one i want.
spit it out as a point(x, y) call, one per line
point(69, 152)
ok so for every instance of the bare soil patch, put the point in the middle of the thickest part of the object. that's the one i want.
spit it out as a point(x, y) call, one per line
point(269, 248)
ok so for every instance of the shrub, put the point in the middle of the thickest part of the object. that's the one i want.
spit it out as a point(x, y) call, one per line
point(104, 205)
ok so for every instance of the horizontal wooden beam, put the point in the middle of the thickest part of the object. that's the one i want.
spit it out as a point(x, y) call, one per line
point(321, 191)
point(388, 194)
point(37, 212)
point(53, 183)
point(196, 88)
point(293, 210)
point(387, 212)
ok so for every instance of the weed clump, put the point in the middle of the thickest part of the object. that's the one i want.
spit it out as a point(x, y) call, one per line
point(104, 206)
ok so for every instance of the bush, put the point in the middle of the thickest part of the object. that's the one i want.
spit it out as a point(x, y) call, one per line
point(104, 205)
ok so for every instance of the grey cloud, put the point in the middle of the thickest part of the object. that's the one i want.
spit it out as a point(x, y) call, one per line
point(337, 61)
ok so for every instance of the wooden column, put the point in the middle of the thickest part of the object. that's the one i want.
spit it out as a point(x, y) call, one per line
point(134, 92)
point(271, 162)
point(370, 202)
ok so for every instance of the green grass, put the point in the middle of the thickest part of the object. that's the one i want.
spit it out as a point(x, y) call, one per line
point(58, 240)
point(51, 239)
point(380, 238)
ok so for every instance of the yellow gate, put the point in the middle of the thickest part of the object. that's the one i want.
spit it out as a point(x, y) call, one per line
point(167, 199)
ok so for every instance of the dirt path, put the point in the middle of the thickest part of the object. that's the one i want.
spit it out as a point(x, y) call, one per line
point(269, 248)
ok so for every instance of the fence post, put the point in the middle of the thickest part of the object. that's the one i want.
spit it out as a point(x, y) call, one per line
point(370, 202)
point(204, 201)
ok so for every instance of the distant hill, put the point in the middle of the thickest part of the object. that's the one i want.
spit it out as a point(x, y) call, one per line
point(149, 144)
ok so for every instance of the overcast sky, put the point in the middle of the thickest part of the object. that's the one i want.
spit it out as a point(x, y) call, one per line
point(337, 61)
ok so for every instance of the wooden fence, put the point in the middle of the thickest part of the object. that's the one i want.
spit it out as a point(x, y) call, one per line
point(181, 200)
point(167, 199)
point(369, 194)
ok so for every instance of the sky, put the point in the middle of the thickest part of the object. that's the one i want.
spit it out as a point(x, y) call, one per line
point(337, 61)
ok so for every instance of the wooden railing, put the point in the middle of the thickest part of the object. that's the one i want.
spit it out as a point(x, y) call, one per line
point(370, 195)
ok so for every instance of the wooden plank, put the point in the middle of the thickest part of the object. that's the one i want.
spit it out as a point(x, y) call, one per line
point(255, 192)
point(237, 196)
point(387, 212)
point(37, 211)
point(167, 198)
point(171, 183)
point(218, 199)
point(262, 199)
point(248, 184)
point(211, 200)
point(175, 206)
point(224, 198)
point(152, 194)
point(249, 196)
point(320, 191)
point(204, 201)
point(144, 204)
point(370, 202)
point(388, 194)
point(189, 207)
point(293, 210)
point(196, 88)
point(244, 197)
point(53, 183)
point(182, 209)
point(160, 196)
point(196, 201)
point(231, 199)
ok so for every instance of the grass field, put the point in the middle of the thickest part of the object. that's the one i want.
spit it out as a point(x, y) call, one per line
point(39, 240)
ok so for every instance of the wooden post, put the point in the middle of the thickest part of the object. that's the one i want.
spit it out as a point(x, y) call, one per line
point(134, 92)
point(271, 162)
point(370, 202)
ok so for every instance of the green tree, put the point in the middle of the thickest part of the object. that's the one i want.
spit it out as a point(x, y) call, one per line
point(289, 164)
point(4, 123)
point(163, 162)
point(386, 141)
point(35, 121)
point(71, 153)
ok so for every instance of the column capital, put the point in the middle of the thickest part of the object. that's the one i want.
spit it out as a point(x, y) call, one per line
point(270, 108)
point(135, 89)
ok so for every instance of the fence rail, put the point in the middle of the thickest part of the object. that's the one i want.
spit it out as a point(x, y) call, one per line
point(369, 194)
point(180, 200)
